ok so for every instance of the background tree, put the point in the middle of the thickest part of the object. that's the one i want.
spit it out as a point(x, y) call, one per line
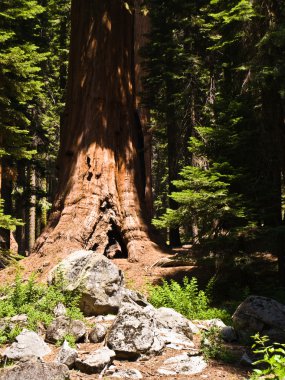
point(32, 70)
point(234, 51)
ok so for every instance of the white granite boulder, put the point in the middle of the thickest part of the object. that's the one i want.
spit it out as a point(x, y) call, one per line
point(260, 314)
point(98, 280)
point(96, 361)
point(27, 344)
point(134, 333)
point(35, 370)
point(182, 365)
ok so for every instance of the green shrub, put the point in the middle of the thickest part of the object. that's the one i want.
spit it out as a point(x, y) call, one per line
point(212, 346)
point(187, 299)
point(37, 301)
point(69, 338)
point(273, 359)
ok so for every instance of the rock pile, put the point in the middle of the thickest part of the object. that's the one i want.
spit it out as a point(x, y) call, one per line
point(134, 331)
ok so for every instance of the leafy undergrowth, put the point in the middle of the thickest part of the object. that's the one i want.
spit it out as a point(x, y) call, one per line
point(187, 299)
point(272, 361)
point(212, 346)
point(35, 300)
point(8, 257)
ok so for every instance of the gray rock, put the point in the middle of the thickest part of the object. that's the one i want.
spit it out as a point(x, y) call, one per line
point(246, 360)
point(62, 326)
point(207, 324)
point(133, 297)
point(182, 365)
point(20, 320)
point(134, 332)
point(27, 344)
point(171, 319)
point(260, 314)
point(59, 310)
point(129, 373)
point(105, 318)
point(228, 334)
point(96, 361)
point(96, 277)
point(175, 340)
point(35, 370)
point(67, 355)
point(98, 333)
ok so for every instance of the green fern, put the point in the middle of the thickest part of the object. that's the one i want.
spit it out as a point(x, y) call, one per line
point(187, 299)
point(37, 301)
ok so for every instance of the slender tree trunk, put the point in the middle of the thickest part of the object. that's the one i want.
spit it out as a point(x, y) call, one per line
point(142, 28)
point(21, 208)
point(6, 192)
point(172, 156)
point(43, 222)
point(31, 225)
point(100, 200)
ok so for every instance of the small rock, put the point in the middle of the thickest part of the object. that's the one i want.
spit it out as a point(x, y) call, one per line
point(129, 296)
point(228, 334)
point(96, 361)
point(19, 319)
point(246, 360)
point(59, 310)
point(35, 370)
point(27, 344)
point(105, 318)
point(171, 319)
point(129, 373)
point(175, 340)
point(98, 333)
point(63, 326)
point(67, 355)
point(183, 365)
point(207, 324)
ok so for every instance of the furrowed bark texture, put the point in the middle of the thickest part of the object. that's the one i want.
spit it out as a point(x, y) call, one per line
point(100, 199)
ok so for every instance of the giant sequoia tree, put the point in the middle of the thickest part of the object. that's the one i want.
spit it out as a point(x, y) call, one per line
point(100, 200)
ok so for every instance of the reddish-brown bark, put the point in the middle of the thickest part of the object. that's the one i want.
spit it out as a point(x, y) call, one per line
point(100, 201)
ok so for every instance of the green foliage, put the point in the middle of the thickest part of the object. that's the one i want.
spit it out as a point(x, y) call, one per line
point(177, 80)
point(20, 66)
point(37, 301)
point(216, 75)
point(69, 338)
point(187, 299)
point(212, 346)
point(6, 221)
point(272, 361)
point(203, 196)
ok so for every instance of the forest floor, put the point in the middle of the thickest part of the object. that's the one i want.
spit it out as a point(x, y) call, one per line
point(148, 271)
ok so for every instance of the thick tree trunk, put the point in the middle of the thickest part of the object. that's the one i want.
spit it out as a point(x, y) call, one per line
point(100, 198)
